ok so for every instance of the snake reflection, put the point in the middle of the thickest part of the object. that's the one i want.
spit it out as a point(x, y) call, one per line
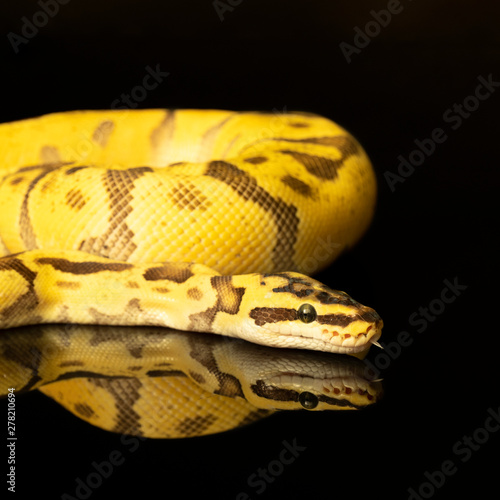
point(178, 384)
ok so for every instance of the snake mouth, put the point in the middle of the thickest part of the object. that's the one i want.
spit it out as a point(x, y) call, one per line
point(351, 345)
point(343, 384)
point(323, 339)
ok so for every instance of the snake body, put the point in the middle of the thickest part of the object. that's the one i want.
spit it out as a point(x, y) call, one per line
point(199, 220)
point(163, 383)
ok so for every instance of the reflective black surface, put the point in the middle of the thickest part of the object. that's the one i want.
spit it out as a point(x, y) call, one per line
point(427, 264)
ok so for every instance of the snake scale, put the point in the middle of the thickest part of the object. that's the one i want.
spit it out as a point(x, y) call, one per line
point(198, 220)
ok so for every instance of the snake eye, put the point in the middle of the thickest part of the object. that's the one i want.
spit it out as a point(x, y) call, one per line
point(308, 401)
point(307, 313)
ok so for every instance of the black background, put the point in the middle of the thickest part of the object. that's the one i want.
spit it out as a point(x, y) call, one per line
point(437, 225)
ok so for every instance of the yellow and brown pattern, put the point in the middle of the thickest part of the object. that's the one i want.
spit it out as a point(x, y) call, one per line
point(162, 383)
point(191, 219)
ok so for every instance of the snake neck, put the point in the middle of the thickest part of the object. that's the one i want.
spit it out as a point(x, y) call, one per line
point(79, 288)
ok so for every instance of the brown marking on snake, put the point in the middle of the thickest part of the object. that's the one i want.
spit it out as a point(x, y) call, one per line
point(339, 402)
point(261, 389)
point(324, 168)
point(368, 315)
point(29, 300)
point(79, 268)
point(202, 321)
point(178, 273)
point(334, 297)
point(284, 215)
point(132, 311)
point(229, 145)
point(125, 392)
point(203, 352)
point(82, 374)
point(195, 293)
point(68, 284)
point(133, 342)
point(50, 154)
point(26, 230)
point(11, 263)
point(197, 377)
point(196, 425)
point(256, 160)
point(30, 168)
point(63, 315)
point(132, 284)
point(187, 195)
point(16, 180)
point(165, 373)
point(64, 334)
point(135, 368)
point(208, 138)
point(117, 241)
point(319, 166)
point(228, 301)
point(34, 382)
point(103, 132)
point(76, 362)
point(230, 386)
point(75, 199)
point(162, 135)
point(254, 416)
point(162, 289)
point(28, 358)
point(301, 287)
point(84, 410)
point(298, 186)
point(347, 145)
point(73, 170)
point(228, 297)
point(263, 315)
point(296, 285)
point(298, 124)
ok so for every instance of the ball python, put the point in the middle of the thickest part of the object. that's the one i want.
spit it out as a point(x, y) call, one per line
point(150, 217)
point(194, 384)
point(199, 220)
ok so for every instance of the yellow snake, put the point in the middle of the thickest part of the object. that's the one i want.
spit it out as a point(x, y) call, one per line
point(199, 220)
point(165, 383)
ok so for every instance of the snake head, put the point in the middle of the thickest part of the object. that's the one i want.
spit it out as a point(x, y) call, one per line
point(293, 310)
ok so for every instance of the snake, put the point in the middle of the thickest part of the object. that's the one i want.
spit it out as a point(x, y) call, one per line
point(204, 221)
point(194, 384)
